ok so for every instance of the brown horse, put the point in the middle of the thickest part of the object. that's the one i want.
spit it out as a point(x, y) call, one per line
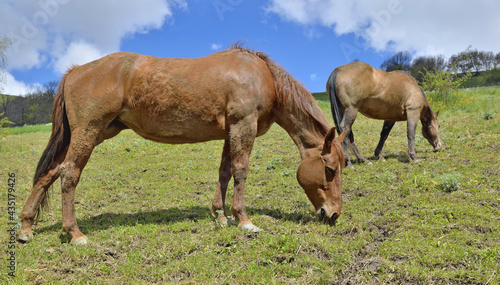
point(389, 96)
point(233, 95)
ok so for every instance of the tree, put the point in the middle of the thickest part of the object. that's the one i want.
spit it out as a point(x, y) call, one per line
point(5, 43)
point(461, 62)
point(399, 61)
point(474, 60)
point(487, 59)
point(430, 63)
point(39, 103)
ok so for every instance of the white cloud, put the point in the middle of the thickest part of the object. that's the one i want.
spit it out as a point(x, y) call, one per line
point(313, 76)
point(53, 31)
point(426, 27)
point(77, 53)
point(215, 46)
point(13, 87)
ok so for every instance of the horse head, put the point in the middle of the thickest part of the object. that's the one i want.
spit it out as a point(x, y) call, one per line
point(430, 131)
point(319, 175)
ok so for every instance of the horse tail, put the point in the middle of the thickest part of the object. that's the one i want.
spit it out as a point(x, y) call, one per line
point(334, 100)
point(59, 140)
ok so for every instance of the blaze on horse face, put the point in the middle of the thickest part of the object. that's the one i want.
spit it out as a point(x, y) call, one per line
point(430, 131)
point(320, 177)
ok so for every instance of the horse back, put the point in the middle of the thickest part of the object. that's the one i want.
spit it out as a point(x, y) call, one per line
point(173, 100)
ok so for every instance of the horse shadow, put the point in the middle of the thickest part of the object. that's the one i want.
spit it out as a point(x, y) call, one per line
point(163, 217)
point(401, 157)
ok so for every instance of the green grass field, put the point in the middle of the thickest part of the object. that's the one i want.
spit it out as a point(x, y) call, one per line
point(145, 209)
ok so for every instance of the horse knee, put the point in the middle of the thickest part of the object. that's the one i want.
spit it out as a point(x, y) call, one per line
point(70, 175)
point(239, 171)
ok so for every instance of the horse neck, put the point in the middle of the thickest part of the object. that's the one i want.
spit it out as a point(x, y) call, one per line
point(304, 129)
point(426, 115)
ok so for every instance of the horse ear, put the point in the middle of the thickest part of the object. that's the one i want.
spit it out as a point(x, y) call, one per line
point(330, 136)
point(341, 137)
point(437, 113)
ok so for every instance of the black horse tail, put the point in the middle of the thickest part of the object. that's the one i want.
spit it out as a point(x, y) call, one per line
point(334, 101)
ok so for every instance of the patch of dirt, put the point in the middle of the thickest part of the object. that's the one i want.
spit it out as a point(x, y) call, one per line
point(367, 262)
point(482, 230)
point(490, 172)
point(278, 260)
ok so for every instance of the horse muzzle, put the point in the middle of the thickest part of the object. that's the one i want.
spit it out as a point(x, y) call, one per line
point(327, 219)
point(437, 147)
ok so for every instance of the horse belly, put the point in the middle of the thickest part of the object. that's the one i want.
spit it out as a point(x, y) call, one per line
point(175, 127)
point(382, 110)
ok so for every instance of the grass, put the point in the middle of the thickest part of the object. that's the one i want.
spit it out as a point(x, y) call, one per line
point(145, 208)
point(28, 129)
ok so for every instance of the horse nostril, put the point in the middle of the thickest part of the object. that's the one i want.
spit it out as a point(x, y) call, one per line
point(322, 213)
point(333, 219)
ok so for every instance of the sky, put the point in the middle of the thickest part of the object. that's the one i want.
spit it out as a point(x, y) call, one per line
point(309, 38)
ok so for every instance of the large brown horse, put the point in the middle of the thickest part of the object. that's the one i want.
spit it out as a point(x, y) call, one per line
point(389, 96)
point(233, 95)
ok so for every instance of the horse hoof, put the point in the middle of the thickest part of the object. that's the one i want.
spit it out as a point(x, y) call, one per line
point(24, 236)
point(83, 240)
point(249, 227)
point(368, 162)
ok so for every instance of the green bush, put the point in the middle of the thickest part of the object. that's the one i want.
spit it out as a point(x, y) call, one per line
point(488, 115)
point(5, 122)
point(449, 182)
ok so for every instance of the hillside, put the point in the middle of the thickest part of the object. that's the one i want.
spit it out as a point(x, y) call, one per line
point(145, 208)
point(483, 78)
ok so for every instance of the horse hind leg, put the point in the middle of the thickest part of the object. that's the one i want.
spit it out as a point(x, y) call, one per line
point(38, 198)
point(39, 195)
point(356, 151)
point(218, 203)
point(83, 142)
point(242, 136)
point(346, 125)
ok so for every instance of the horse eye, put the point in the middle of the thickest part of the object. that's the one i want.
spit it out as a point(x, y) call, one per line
point(331, 171)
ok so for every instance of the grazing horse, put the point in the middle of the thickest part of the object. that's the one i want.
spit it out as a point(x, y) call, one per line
point(389, 96)
point(233, 95)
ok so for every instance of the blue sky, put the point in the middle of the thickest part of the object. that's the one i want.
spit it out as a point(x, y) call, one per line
point(307, 37)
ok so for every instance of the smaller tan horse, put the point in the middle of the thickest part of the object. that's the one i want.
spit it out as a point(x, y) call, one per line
point(389, 96)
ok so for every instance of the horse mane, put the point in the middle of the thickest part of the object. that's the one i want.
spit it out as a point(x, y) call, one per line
point(288, 89)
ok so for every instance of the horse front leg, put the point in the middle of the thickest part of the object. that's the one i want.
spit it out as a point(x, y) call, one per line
point(242, 136)
point(411, 130)
point(386, 129)
point(218, 203)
